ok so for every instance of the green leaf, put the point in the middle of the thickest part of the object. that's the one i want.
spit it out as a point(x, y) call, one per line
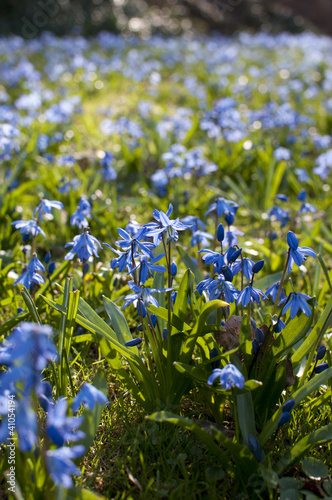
point(293, 455)
point(315, 335)
point(199, 328)
point(292, 333)
point(12, 322)
point(267, 281)
point(314, 469)
point(181, 303)
point(298, 396)
point(188, 424)
point(83, 494)
point(162, 313)
point(246, 415)
point(189, 263)
point(118, 320)
point(31, 305)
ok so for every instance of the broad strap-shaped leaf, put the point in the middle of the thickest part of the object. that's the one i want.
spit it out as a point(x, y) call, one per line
point(315, 335)
point(199, 328)
point(292, 333)
point(190, 264)
point(118, 320)
point(298, 396)
point(296, 452)
point(162, 313)
point(184, 293)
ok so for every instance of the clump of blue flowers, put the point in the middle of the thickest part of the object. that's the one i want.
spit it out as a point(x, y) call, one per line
point(25, 354)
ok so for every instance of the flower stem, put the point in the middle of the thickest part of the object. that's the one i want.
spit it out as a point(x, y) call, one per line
point(281, 284)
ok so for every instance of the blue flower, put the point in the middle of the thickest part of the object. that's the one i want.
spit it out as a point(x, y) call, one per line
point(223, 206)
point(45, 207)
point(307, 208)
point(107, 170)
point(88, 396)
point(221, 287)
point(143, 294)
point(296, 301)
point(60, 466)
point(60, 428)
point(27, 278)
point(297, 254)
point(282, 154)
point(279, 326)
point(124, 260)
point(29, 343)
point(29, 227)
point(26, 425)
point(231, 237)
point(82, 214)
point(148, 268)
point(229, 377)
point(193, 222)
point(278, 214)
point(165, 225)
point(250, 294)
point(200, 238)
point(84, 245)
point(135, 243)
point(214, 258)
point(273, 292)
point(245, 264)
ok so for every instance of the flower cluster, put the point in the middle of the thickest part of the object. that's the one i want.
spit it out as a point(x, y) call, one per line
point(26, 353)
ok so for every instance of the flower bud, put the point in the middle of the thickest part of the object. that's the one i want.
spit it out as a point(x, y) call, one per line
point(282, 197)
point(174, 269)
point(47, 257)
point(213, 353)
point(153, 318)
point(285, 417)
point(86, 267)
point(227, 273)
point(255, 346)
point(259, 335)
point(320, 368)
point(51, 268)
point(220, 233)
point(288, 406)
point(292, 240)
point(141, 309)
point(134, 342)
point(257, 266)
point(321, 352)
point(272, 235)
point(235, 255)
point(229, 218)
point(302, 196)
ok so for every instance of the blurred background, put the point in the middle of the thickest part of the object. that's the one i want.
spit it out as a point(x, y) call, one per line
point(169, 17)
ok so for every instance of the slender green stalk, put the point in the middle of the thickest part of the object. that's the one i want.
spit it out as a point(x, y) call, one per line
point(281, 284)
point(236, 417)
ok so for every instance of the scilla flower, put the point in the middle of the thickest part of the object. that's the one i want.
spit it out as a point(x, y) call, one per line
point(297, 254)
point(229, 377)
point(84, 245)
